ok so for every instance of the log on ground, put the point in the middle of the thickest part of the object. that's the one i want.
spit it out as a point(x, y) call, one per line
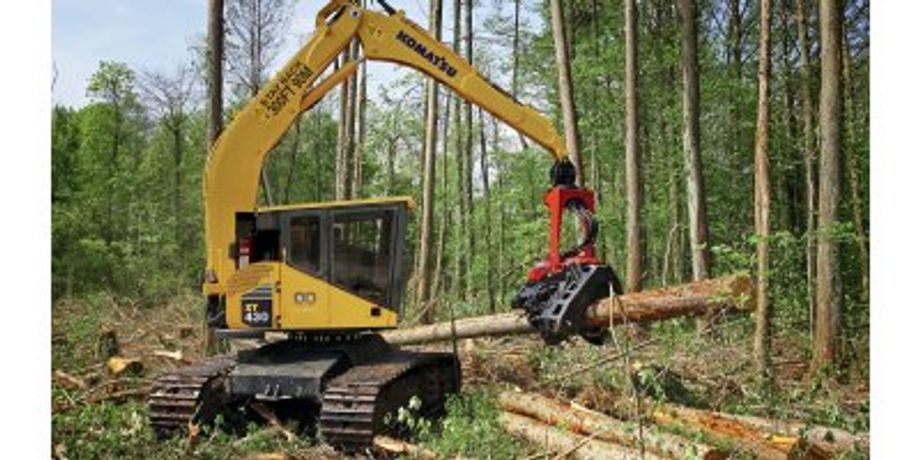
point(565, 444)
point(586, 422)
point(763, 444)
point(729, 293)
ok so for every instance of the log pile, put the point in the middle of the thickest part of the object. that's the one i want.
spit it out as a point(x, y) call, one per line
point(568, 429)
point(727, 294)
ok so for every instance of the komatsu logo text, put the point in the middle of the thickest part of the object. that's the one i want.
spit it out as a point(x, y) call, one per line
point(429, 55)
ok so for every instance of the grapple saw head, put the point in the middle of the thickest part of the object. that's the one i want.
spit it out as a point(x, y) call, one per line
point(560, 289)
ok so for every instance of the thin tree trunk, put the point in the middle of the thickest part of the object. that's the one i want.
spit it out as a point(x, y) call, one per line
point(762, 194)
point(470, 244)
point(341, 145)
point(566, 93)
point(853, 170)
point(808, 152)
point(215, 105)
point(487, 198)
point(634, 267)
point(428, 181)
point(438, 282)
point(696, 197)
point(515, 61)
point(361, 133)
point(827, 300)
point(460, 264)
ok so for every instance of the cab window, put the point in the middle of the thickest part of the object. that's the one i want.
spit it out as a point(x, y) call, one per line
point(361, 254)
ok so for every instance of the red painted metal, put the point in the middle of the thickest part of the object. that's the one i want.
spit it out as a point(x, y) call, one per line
point(556, 200)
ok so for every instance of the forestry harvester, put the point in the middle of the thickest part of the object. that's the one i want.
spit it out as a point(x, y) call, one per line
point(330, 276)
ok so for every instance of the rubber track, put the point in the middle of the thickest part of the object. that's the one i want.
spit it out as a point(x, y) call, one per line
point(187, 395)
point(356, 403)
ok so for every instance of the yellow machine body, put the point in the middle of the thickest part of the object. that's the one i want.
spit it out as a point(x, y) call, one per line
point(298, 299)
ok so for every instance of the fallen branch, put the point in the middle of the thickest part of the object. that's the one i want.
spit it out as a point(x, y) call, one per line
point(582, 421)
point(729, 293)
point(70, 381)
point(561, 441)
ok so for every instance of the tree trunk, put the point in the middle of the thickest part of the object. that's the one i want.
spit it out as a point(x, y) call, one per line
point(215, 106)
point(634, 267)
point(853, 170)
point(808, 152)
point(515, 61)
point(565, 443)
point(428, 180)
point(215, 70)
point(438, 283)
point(470, 243)
point(487, 198)
point(827, 300)
point(762, 193)
point(341, 145)
point(361, 132)
point(459, 284)
point(566, 93)
point(586, 422)
point(696, 199)
point(725, 294)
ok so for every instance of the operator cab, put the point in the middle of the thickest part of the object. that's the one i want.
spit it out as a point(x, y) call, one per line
point(353, 245)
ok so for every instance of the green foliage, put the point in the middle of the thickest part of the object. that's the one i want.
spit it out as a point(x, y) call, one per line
point(471, 429)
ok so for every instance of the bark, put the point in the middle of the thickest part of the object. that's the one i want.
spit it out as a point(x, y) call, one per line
point(853, 170)
point(762, 193)
point(459, 284)
point(215, 104)
point(515, 61)
point(727, 294)
point(696, 198)
point(634, 267)
point(827, 300)
point(566, 93)
point(487, 198)
point(585, 422)
point(428, 181)
point(437, 284)
point(215, 69)
point(762, 444)
point(828, 439)
point(469, 242)
point(808, 151)
point(341, 144)
point(564, 443)
point(360, 132)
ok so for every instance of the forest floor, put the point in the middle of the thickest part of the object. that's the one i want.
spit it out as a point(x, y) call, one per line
point(98, 415)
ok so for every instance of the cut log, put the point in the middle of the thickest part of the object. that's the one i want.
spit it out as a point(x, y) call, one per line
point(586, 422)
point(764, 444)
point(565, 443)
point(729, 294)
point(829, 439)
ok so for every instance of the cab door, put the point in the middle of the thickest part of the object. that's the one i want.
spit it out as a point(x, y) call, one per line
point(304, 292)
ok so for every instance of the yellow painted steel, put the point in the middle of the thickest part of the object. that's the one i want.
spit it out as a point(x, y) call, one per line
point(231, 182)
point(405, 200)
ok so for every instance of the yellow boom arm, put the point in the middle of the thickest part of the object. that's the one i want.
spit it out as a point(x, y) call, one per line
point(232, 173)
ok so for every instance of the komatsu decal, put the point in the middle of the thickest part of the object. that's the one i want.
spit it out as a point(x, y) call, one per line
point(438, 61)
